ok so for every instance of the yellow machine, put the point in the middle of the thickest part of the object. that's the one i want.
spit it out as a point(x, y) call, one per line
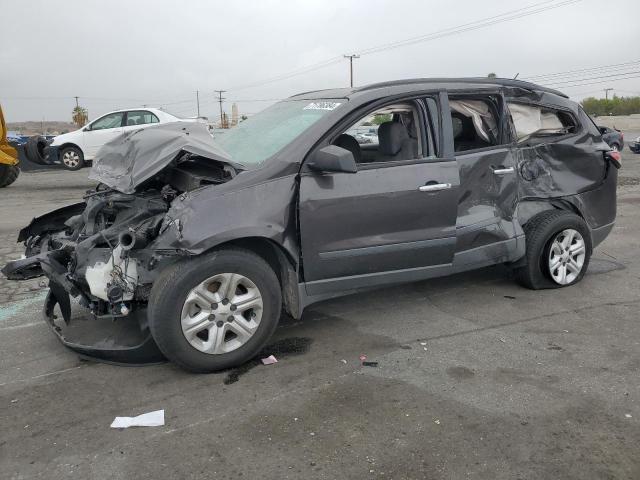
point(9, 169)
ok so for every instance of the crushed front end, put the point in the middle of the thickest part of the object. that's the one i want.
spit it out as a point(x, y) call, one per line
point(101, 256)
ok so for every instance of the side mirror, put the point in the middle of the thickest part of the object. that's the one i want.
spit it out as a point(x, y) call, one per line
point(87, 128)
point(603, 130)
point(333, 159)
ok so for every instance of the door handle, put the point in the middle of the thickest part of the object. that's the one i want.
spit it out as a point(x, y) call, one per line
point(434, 187)
point(502, 171)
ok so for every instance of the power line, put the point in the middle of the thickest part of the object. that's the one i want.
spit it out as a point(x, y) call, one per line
point(554, 84)
point(477, 24)
point(569, 73)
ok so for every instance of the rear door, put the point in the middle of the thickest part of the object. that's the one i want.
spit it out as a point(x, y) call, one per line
point(488, 179)
point(101, 131)
point(390, 221)
point(135, 119)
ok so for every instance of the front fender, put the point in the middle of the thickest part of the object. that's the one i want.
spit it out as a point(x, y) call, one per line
point(206, 218)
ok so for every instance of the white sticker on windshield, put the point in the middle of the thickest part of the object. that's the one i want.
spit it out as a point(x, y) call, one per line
point(322, 106)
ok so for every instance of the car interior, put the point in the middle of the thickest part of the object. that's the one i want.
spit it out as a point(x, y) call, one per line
point(397, 135)
point(474, 124)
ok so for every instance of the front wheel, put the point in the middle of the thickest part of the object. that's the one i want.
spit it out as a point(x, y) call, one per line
point(215, 311)
point(72, 158)
point(558, 250)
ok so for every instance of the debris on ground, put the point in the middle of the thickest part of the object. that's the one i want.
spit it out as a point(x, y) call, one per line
point(510, 297)
point(151, 419)
point(423, 343)
point(369, 364)
point(363, 357)
point(270, 360)
point(344, 361)
point(436, 421)
point(628, 415)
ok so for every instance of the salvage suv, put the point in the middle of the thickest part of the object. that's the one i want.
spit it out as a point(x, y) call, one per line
point(195, 247)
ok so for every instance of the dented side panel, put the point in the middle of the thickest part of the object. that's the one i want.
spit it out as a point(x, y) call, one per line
point(487, 199)
point(200, 220)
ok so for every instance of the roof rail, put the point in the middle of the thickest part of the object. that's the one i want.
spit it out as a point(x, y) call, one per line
point(506, 82)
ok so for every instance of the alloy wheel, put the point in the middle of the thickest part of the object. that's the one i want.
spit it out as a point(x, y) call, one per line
point(71, 158)
point(222, 313)
point(566, 256)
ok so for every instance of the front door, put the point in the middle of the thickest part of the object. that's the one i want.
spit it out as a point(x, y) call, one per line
point(101, 131)
point(393, 220)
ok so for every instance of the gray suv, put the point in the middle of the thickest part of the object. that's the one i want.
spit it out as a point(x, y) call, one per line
point(191, 249)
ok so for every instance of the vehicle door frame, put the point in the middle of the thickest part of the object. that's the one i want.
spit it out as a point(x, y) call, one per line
point(504, 227)
point(444, 154)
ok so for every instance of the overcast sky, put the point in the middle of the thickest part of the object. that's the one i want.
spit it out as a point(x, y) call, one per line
point(121, 54)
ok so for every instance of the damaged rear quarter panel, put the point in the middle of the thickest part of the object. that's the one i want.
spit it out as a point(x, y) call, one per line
point(202, 219)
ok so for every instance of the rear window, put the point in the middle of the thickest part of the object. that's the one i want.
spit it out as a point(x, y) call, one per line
point(537, 120)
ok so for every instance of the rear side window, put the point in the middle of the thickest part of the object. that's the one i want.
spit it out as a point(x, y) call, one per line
point(141, 117)
point(540, 121)
point(475, 122)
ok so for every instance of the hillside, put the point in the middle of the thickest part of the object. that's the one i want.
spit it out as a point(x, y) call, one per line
point(33, 128)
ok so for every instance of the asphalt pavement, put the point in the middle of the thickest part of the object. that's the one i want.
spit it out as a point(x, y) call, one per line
point(476, 378)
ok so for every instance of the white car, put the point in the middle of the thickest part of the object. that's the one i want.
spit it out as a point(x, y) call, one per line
point(74, 148)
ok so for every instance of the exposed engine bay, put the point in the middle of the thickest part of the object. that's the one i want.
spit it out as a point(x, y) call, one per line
point(101, 251)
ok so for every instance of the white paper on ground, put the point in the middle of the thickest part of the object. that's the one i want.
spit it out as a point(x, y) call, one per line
point(151, 419)
point(270, 360)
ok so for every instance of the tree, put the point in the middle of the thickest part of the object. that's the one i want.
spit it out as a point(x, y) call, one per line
point(613, 106)
point(379, 119)
point(492, 75)
point(80, 116)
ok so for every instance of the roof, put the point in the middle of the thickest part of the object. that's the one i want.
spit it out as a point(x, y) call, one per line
point(434, 82)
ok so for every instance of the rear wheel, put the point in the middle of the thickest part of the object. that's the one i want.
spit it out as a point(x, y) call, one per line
point(8, 174)
point(216, 311)
point(615, 147)
point(72, 158)
point(558, 250)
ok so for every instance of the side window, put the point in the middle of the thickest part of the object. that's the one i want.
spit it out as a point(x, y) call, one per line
point(113, 120)
point(390, 133)
point(141, 117)
point(475, 122)
point(537, 121)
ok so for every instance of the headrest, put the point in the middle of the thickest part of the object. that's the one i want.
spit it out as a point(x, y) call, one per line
point(392, 136)
point(349, 143)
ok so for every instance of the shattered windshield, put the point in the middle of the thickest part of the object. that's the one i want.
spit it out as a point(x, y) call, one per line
point(258, 138)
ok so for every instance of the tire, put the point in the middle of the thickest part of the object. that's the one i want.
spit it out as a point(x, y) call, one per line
point(170, 308)
point(8, 174)
point(72, 158)
point(541, 233)
point(615, 147)
point(34, 150)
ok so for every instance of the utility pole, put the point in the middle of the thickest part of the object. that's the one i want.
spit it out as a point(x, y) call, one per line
point(351, 57)
point(606, 93)
point(77, 101)
point(198, 102)
point(220, 99)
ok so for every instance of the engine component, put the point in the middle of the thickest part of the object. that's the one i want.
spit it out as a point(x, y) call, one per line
point(119, 272)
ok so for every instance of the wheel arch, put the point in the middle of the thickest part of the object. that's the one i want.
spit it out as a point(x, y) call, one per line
point(67, 145)
point(283, 264)
point(527, 209)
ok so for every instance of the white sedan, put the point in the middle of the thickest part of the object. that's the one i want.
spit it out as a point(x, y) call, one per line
point(74, 148)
